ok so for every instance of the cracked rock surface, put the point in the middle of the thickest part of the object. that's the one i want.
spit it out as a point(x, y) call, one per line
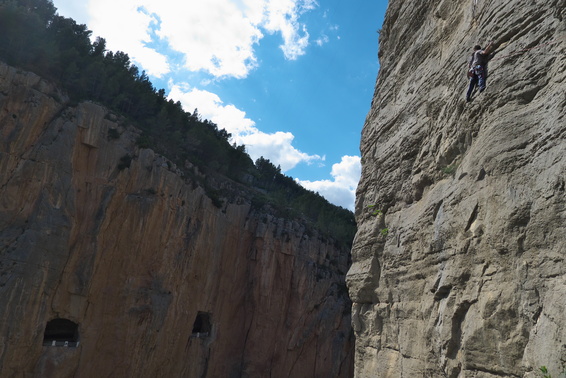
point(459, 260)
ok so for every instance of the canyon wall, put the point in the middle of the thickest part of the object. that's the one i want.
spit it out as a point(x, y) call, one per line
point(459, 260)
point(100, 235)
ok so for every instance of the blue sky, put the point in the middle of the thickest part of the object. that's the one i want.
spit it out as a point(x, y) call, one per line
point(292, 80)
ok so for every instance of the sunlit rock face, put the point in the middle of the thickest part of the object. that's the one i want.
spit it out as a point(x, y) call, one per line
point(112, 264)
point(458, 264)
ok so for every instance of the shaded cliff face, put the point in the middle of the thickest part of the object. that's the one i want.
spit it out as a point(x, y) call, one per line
point(458, 264)
point(157, 280)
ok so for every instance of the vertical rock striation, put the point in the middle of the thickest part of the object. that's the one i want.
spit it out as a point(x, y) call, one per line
point(157, 280)
point(459, 260)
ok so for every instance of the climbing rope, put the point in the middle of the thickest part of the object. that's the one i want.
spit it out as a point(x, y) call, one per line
point(474, 6)
point(523, 51)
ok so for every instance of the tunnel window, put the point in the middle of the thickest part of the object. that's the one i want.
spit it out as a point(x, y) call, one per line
point(61, 332)
point(202, 325)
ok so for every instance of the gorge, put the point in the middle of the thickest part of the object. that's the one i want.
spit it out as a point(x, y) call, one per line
point(117, 260)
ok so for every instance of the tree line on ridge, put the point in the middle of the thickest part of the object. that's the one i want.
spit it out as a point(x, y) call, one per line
point(36, 38)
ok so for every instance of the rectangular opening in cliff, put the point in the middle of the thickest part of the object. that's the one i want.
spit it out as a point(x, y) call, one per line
point(202, 325)
point(61, 333)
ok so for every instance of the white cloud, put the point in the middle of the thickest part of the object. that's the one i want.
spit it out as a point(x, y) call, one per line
point(277, 147)
point(74, 9)
point(342, 190)
point(127, 28)
point(211, 107)
point(282, 16)
point(322, 40)
point(216, 36)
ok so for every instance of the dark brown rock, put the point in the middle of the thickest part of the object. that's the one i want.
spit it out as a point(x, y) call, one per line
point(159, 281)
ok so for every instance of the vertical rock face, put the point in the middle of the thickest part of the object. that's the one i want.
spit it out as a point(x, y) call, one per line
point(459, 260)
point(142, 274)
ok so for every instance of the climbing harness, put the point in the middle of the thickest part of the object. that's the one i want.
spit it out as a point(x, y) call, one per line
point(477, 70)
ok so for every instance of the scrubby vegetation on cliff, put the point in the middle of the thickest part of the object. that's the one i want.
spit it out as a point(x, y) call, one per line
point(36, 38)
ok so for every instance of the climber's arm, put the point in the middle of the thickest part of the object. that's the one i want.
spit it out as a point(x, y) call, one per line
point(488, 49)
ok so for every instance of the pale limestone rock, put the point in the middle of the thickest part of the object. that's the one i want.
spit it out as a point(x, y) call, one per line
point(462, 274)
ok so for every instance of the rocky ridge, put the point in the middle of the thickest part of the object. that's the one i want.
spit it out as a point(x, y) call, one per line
point(100, 235)
point(459, 260)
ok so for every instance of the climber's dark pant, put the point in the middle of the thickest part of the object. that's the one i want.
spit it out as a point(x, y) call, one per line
point(478, 77)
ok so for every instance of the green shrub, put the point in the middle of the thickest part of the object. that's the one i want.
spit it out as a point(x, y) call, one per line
point(113, 134)
point(125, 162)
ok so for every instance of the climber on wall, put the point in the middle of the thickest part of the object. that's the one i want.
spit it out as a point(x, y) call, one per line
point(477, 69)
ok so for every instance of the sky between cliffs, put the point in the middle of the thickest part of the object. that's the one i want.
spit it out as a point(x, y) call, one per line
point(292, 80)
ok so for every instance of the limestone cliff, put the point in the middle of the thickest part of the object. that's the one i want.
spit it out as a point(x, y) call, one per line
point(459, 260)
point(107, 249)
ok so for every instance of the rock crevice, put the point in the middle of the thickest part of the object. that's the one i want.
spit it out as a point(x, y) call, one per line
point(465, 281)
